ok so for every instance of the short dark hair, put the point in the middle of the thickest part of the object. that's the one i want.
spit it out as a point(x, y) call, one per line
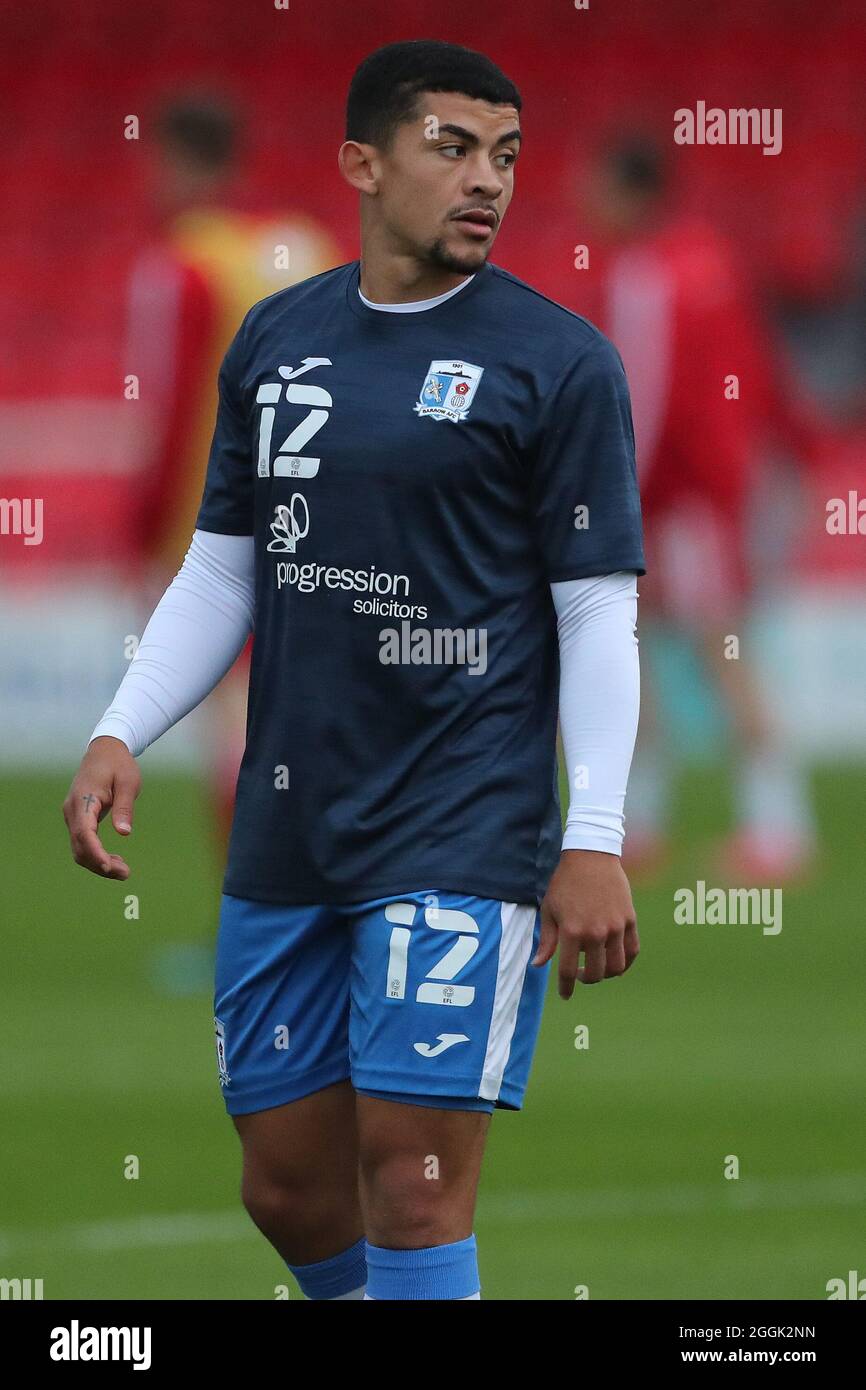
point(203, 128)
point(385, 87)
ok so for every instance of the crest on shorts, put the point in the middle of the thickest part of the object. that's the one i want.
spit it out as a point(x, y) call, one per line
point(221, 1052)
point(448, 390)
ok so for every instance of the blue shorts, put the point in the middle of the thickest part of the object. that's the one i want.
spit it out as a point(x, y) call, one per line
point(428, 998)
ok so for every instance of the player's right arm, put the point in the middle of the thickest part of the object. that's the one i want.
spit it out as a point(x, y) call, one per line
point(195, 635)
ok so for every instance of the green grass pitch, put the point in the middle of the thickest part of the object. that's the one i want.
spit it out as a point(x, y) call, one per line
point(720, 1041)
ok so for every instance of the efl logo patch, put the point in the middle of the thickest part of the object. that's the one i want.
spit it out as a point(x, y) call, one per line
point(221, 1052)
point(448, 390)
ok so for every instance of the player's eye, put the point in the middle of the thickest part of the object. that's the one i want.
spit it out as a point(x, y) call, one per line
point(505, 159)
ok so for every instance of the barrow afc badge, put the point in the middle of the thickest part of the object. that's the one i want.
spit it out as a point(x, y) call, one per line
point(448, 390)
point(221, 1052)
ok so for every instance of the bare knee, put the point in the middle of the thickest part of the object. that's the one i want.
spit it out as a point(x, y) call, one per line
point(304, 1221)
point(418, 1186)
point(406, 1209)
point(278, 1208)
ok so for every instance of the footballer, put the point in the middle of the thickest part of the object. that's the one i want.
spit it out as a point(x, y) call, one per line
point(421, 500)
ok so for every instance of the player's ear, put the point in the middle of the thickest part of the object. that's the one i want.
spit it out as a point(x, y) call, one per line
point(357, 165)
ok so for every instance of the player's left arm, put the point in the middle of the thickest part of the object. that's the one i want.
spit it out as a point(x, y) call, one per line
point(588, 906)
point(586, 512)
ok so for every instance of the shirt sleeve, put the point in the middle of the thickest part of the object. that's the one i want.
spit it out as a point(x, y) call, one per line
point(227, 503)
point(585, 501)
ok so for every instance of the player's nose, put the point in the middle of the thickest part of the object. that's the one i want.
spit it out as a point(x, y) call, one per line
point(482, 180)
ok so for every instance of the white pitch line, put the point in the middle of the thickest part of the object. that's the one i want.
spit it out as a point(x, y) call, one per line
point(725, 1195)
point(542, 1207)
point(134, 1233)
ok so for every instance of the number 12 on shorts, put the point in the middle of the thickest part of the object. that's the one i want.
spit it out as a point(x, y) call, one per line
point(436, 987)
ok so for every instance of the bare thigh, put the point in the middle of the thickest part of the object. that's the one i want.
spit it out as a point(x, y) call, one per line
point(300, 1174)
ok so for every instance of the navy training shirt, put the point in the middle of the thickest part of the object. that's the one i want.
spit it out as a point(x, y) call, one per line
point(414, 482)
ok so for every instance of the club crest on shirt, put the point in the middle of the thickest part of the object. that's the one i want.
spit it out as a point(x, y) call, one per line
point(448, 390)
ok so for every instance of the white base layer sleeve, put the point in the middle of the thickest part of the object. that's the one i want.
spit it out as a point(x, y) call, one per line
point(599, 700)
point(194, 636)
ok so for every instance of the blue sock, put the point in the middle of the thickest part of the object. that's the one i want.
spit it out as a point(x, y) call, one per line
point(331, 1278)
point(438, 1271)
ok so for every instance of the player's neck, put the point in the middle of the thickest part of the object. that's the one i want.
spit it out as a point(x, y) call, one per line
point(403, 280)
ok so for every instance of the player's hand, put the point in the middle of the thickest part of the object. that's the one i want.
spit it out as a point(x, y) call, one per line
point(588, 908)
point(108, 777)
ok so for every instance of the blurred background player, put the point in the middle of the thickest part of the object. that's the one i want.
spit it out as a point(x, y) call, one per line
point(208, 260)
point(665, 287)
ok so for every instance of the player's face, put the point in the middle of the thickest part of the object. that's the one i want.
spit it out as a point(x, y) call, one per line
point(448, 177)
